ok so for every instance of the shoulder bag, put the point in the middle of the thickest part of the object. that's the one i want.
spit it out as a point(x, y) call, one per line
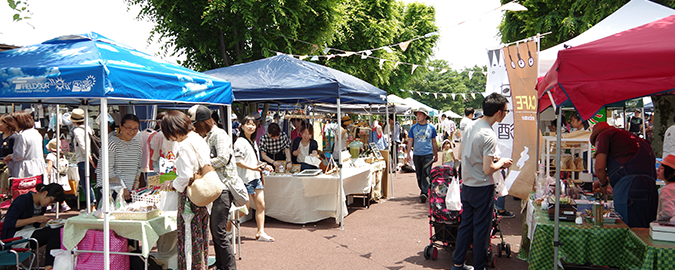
point(235, 186)
point(206, 186)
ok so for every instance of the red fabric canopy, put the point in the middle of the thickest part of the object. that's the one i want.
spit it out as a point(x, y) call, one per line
point(634, 63)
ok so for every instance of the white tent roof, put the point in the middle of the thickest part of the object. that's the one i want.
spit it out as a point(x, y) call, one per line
point(631, 15)
point(451, 114)
point(413, 104)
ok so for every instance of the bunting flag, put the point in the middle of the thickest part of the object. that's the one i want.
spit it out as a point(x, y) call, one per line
point(382, 62)
point(470, 74)
point(329, 57)
point(445, 95)
point(473, 95)
point(413, 69)
point(432, 68)
point(522, 81)
point(396, 65)
point(464, 96)
point(435, 95)
point(326, 50)
point(453, 96)
point(404, 45)
point(419, 93)
point(443, 71)
point(302, 57)
point(314, 58)
point(387, 49)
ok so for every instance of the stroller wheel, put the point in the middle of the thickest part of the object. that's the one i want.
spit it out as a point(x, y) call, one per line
point(427, 252)
point(491, 258)
point(434, 253)
point(508, 250)
point(499, 250)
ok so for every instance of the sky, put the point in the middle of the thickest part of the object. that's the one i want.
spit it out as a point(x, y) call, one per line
point(462, 45)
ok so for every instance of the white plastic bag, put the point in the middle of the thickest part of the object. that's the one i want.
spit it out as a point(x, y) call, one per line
point(63, 259)
point(500, 184)
point(168, 201)
point(453, 200)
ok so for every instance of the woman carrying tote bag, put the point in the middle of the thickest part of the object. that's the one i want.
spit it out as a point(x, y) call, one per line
point(193, 221)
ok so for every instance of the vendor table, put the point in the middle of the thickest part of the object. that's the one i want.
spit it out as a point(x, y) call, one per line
point(642, 252)
point(581, 244)
point(306, 199)
point(147, 231)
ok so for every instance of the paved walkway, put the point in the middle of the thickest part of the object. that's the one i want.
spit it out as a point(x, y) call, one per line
point(390, 234)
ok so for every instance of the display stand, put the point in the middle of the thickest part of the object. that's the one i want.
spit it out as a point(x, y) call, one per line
point(577, 147)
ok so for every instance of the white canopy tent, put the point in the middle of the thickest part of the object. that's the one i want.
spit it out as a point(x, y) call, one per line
point(413, 104)
point(631, 15)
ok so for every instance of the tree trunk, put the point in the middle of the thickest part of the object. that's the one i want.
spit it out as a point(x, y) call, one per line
point(662, 119)
point(222, 47)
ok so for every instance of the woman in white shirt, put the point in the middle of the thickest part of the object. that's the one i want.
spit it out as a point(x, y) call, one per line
point(249, 168)
point(193, 221)
point(27, 156)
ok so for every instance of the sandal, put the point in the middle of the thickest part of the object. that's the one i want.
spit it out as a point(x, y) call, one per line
point(265, 238)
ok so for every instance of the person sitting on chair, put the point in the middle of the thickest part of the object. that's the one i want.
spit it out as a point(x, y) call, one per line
point(25, 217)
point(304, 146)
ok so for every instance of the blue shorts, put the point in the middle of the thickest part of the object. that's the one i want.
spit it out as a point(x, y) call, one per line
point(253, 185)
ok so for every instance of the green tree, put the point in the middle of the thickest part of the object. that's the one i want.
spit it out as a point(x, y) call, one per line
point(377, 23)
point(20, 8)
point(219, 33)
point(450, 82)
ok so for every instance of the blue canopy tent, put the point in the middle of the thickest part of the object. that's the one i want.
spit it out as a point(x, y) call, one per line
point(284, 79)
point(91, 69)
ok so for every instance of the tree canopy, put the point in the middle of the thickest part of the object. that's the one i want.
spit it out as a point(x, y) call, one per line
point(218, 33)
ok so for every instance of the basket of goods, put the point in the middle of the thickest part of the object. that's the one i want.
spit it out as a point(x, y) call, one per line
point(150, 195)
point(137, 211)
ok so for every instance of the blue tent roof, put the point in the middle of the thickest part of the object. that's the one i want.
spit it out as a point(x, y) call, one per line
point(70, 69)
point(284, 79)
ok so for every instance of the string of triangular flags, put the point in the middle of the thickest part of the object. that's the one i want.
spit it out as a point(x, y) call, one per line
point(464, 96)
point(365, 54)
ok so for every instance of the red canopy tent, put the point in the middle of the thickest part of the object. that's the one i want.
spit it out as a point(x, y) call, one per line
point(634, 63)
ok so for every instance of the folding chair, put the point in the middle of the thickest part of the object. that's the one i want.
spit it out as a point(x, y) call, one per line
point(16, 256)
point(235, 214)
point(20, 186)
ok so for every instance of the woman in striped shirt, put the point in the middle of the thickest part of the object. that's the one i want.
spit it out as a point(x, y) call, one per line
point(124, 157)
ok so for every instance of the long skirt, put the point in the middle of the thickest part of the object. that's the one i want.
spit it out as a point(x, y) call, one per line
point(193, 235)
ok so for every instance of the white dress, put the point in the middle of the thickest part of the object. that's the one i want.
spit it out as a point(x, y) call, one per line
point(54, 176)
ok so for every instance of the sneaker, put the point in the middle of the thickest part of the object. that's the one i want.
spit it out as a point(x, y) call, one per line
point(463, 267)
point(65, 208)
point(505, 214)
point(423, 198)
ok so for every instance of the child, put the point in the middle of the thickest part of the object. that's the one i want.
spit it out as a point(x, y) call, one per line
point(666, 172)
point(448, 157)
point(54, 174)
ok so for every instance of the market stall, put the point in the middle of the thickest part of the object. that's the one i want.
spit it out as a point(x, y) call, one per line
point(90, 69)
point(609, 70)
point(285, 80)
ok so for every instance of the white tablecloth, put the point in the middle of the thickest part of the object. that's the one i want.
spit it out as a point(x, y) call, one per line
point(302, 200)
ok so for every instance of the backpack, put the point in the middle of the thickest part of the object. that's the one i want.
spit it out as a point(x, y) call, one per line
point(63, 166)
point(94, 147)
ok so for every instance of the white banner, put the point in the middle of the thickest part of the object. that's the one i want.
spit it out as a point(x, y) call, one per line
point(498, 82)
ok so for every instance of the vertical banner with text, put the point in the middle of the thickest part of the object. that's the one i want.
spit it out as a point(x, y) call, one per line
point(522, 68)
point(498, 82)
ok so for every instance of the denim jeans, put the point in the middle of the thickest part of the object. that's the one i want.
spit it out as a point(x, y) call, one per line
point(477, 212)
point(423, 172)
point(83, 184)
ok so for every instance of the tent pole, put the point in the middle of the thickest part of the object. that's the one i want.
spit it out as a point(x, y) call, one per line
point(340, 201)
point(228, 124)
point(58, 150)
point(106, 187)
point(87, 166)
point(391, 142)
point(391, 183)
point(556, 232)
point(644, 123)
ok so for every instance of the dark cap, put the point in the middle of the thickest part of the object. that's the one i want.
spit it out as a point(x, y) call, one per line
point(199, 113)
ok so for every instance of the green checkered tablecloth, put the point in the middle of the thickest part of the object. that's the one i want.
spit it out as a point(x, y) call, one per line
point(611, 245)
point(642, 252)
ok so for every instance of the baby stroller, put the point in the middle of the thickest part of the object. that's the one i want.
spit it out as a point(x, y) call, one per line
point(443, 223)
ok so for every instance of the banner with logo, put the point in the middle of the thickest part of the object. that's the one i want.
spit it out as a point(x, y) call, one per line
point(498, 82)
point(521, 66)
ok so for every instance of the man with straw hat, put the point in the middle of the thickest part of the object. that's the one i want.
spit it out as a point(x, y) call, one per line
point(627, 162)
point(77, 117)
point(422, 137)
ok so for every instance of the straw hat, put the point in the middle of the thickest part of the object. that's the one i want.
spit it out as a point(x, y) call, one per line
point(668, 161)
point(346, 120)
point(51, 146)
point(77, 115)
point(597, 129)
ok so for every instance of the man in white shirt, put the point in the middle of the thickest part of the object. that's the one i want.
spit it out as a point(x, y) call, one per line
point(466, 121)
point(448, 126)
point(669, 141)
